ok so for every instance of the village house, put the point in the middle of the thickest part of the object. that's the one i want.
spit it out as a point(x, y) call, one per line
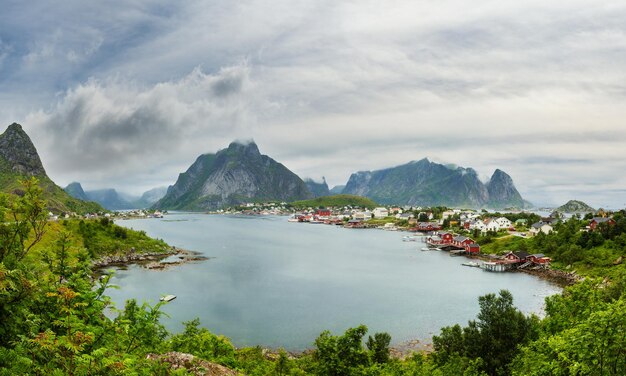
point(427, 227)
point(538, 227)
point(380, 212)
point(504, 222)
point(518, 257)
point(539, 258)
point(593, 224)
point(492, 225)
point(404, 216)
point(362, 215)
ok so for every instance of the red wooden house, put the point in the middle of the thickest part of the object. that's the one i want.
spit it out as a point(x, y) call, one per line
point(322, 212)
point(595, 222)
point(539, 258)
point(472, 248)
point(519, 257)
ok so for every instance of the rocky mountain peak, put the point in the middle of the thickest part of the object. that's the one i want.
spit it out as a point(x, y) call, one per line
point(502, 191)
point(245, 148)
point(75, 189)
point(20, 153)
point(231, 176)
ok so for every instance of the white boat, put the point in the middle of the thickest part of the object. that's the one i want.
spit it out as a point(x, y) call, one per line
point(473, 264)
point(168, 298)
point(425, 249)
point(410, 238)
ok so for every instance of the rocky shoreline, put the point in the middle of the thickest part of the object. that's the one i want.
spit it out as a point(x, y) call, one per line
point(149, 260)
point(558, 277)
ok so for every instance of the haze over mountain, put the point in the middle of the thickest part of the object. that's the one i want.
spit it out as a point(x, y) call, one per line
point(231, 176)
point(111, 199)
point(337, 190)
point(19, 160)
point(317, 189)
point(425, 183)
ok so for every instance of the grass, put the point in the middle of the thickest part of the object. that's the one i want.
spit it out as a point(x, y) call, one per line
point(336, 201)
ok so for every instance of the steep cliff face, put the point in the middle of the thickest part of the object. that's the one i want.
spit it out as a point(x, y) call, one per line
point(19, 160)
point(317, 189)
point(75, 189)
point(425, 183)
point(502, 191)
point(110, 199)
point(234, 175)
point(19, 152)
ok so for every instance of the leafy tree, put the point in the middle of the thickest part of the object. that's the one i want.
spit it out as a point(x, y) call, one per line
point(379, 347)
point(341, 355)
point(202, 343)
point(493, 338)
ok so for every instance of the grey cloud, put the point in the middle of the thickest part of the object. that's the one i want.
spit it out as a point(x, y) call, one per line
point(120, 128)
point(329, 88)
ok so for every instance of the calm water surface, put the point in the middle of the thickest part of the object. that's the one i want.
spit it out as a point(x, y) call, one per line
point(279, 284)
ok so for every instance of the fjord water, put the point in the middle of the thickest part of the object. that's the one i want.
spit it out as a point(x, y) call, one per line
point(273, 283)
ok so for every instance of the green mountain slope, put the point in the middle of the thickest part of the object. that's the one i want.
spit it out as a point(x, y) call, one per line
point(19, 160)
point(336, 201)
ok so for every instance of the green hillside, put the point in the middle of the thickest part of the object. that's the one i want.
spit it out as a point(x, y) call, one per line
point(19, 161)
point(336, 201)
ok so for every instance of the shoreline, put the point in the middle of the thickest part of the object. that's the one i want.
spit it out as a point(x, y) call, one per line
point(148, 260)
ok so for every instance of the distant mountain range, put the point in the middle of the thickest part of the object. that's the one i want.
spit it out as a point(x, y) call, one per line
point(232, 176)
point(425, 183)
point(19, 160)
point(240, 173)
point(110, 199)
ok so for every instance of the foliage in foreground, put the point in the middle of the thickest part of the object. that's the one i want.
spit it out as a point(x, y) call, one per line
point(52, 322)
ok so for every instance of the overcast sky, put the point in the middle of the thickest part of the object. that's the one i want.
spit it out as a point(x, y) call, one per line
point(126, 94)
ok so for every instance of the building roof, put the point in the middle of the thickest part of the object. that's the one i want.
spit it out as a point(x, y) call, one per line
point(460, 238)
point(521, 254)
point(538, 255)
point(601, 219)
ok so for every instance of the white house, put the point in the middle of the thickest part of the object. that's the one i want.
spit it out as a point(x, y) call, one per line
point(492, 225)
point(538, 227)
point(504, 222)
point(381, 212)
point(477, 225)
point(362, 216)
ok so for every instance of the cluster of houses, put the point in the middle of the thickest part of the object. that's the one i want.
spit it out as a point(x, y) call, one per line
point(517, 260)
point(448, 240)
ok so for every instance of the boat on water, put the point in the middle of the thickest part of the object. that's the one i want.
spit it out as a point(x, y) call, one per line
point(426, 249)
point(168, 298)
point(472, 264)
point(410, 238)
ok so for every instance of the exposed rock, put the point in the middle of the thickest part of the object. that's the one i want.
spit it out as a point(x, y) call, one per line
point(19, 160)
point(502, 191)
point(75, 190)
point(425, 183)
point(195, 365)
point(337, 190)
point(110, 199)
point(18, 150)
point(232, 176)
point(317, 189)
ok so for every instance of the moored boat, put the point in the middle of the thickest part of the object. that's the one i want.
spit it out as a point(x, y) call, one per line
point(473, 264)
point(168, 298)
